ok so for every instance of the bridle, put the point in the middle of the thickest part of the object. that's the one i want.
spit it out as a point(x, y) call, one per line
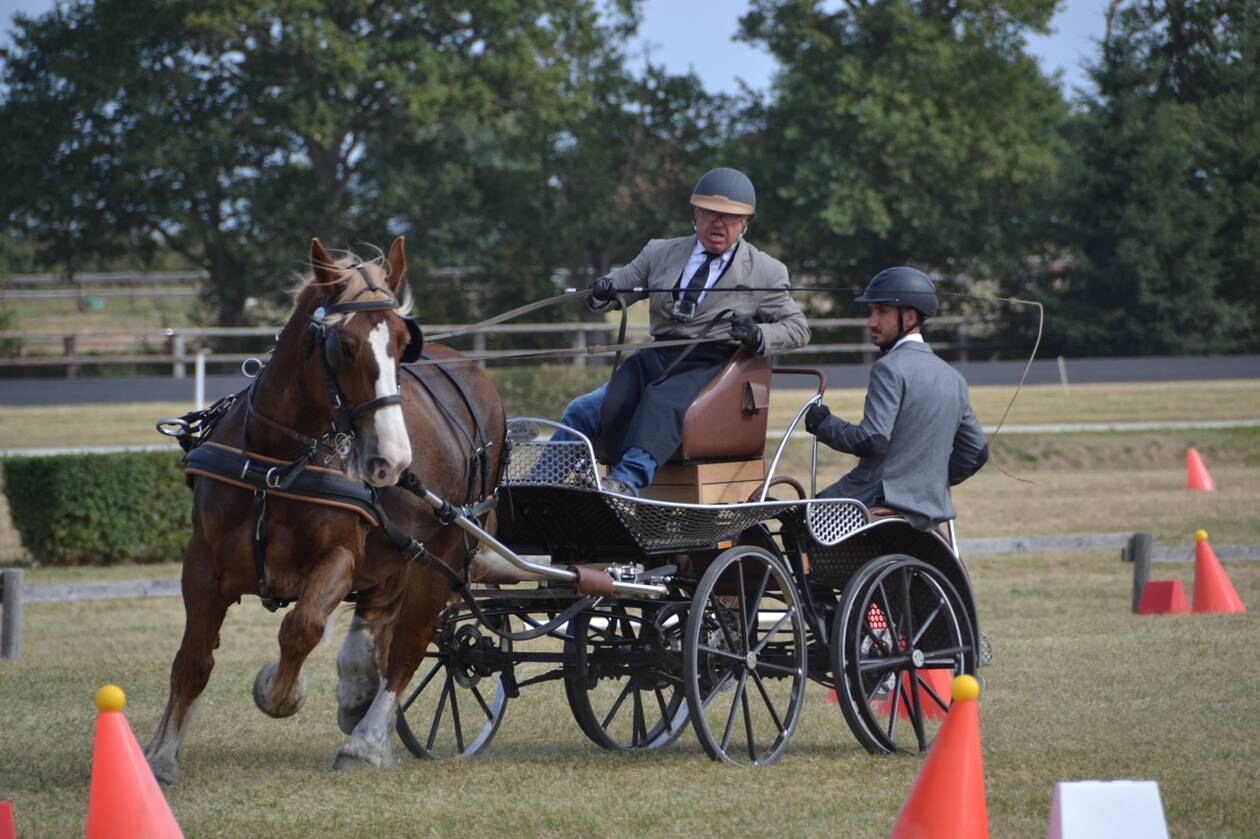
point(332, 360)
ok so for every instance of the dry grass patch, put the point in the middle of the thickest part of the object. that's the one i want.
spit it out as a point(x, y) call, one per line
point(1079, 689)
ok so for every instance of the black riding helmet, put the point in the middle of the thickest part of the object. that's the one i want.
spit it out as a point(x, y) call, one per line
point(905, 288)
point(902, 286)
point(725, 190)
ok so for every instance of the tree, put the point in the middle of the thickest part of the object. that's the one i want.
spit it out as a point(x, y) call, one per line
point(229, 131)
point(1162, 216)
point(904, 131)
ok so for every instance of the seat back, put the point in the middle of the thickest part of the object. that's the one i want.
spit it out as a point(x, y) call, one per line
point(728, 418)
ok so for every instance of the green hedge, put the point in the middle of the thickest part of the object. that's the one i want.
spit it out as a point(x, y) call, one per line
point(543, 391)
point(99, 508)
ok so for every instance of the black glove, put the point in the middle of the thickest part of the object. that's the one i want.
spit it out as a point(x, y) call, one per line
point(746, 331)
point(604, 290)
point(816, 416)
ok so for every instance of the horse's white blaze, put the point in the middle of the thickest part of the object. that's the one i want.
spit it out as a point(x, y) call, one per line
point(392, 443)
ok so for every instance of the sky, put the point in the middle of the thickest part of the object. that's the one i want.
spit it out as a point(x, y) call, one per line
point(669, 35)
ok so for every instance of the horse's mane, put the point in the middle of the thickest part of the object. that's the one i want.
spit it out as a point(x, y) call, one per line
point(306, 285)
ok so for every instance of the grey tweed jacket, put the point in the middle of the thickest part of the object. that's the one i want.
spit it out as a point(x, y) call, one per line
point(659, 266)
point(918, 437)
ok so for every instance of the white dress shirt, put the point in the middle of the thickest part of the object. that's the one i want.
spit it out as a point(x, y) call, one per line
point(913, 336)
point(716, 267)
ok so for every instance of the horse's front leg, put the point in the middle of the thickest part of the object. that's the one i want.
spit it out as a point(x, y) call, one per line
point(204, 609)
point(280, 686)
point(424, 597)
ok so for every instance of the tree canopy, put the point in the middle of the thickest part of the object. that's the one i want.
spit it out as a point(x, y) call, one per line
point(518, 138)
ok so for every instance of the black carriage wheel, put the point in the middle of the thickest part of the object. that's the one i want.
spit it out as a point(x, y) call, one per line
point(622, 696)
point(744, 658)
point(455, 707)
point(901, 634)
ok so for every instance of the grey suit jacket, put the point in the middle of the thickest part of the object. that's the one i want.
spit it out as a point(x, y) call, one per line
point(661, 263)
point(917, 438)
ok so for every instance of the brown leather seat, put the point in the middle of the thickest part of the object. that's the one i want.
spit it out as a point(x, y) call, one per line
point(728, 418)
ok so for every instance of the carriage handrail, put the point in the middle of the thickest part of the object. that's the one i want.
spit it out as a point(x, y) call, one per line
point(787, 435)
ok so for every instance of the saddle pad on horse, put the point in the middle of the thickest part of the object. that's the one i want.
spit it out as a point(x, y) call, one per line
point(314, 485)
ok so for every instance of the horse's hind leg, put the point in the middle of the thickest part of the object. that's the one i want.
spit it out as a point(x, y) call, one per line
point(204, 609)
point(362, 655)
point(280, 686)
point(425, 593)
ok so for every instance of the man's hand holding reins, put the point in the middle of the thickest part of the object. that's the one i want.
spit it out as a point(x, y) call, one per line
point(746, 331)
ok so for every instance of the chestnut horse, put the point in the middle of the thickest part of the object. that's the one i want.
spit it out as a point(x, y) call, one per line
point(335, 366)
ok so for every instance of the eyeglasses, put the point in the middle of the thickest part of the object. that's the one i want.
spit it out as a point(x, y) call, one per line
point(724, 218)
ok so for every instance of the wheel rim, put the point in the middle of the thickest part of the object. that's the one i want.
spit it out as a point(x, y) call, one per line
point(745, 658)
point(906, 635)
point(622, 696)
point(456, 706)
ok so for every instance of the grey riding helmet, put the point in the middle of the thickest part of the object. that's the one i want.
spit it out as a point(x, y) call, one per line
point(901, 286)
point(725, 190)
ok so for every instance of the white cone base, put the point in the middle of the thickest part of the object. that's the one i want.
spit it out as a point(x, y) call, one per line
point(1107, 810)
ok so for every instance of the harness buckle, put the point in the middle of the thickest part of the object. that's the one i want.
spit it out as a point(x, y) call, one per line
point(343, 443)
point(245, 469)
point(273, 477)
point(251, 367)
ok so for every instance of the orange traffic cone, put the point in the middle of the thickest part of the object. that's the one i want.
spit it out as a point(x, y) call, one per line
point(7, 828)
point(1197, 476)
point(1213, 592)
point(124, 800)
point(947, 799)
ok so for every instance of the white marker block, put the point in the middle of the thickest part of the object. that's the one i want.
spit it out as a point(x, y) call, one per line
point(1107, 810)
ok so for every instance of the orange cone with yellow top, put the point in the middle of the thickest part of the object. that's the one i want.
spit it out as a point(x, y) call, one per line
point(947, 799)
point(1213, 592)
point(124, 800)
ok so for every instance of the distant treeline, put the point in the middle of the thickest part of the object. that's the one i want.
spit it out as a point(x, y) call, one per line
point(522, 138)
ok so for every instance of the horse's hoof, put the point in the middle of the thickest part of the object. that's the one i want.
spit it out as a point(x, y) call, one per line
point(349, 718)
point(166, 771)
point(349, 758)
point(279, 706)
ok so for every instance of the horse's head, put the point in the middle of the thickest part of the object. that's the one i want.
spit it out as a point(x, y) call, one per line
point(359, 334)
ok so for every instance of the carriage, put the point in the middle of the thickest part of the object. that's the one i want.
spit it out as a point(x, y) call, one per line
point(709, 603)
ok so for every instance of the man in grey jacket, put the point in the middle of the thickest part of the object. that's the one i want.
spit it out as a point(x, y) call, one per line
point(712, 286)
point(918, 435)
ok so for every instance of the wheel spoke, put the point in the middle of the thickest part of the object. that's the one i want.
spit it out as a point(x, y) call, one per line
point(756, 604)
point(424, 683)
point(720, 608)
point(720, 653)
point(889, 622)
point(914, 704)
point(621, 697)
point(787, 616)
point(928, 687)
point(747, 629)
point(896, 704)
point(748, 729)
point(731, 714)
point(721, 683)
point(765, 697)
point(666, 717)
point(923, 627)
point(638, 728)
point(481, 700)
point(447, 686)
point(459, 731)
point(878, 665)
point(778, 668)
point(950, 651)
point(907, 577)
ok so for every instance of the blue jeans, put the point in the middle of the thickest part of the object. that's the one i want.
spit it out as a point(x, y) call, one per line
point(636, 468)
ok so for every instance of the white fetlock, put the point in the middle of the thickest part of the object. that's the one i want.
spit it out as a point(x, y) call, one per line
point(369, 744)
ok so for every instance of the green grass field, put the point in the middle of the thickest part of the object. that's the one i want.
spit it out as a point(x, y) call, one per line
point(1079, 689)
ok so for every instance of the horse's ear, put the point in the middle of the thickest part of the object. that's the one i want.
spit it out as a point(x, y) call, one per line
point(397, 266)
point(322, 266)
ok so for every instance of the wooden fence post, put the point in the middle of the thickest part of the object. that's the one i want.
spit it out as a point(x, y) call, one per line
point(479, 346)
point(70, 342)
point(1140, 555)
point(11, 606)
point(579, 344)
